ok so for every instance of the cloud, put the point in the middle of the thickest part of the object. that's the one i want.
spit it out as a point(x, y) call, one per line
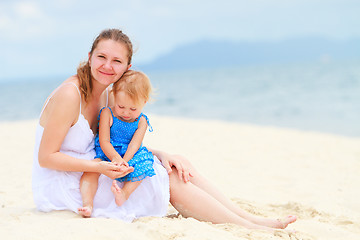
point(5, 21)
point(61, 31)
point(27, 10)
point(23, 20)
point(64, 3)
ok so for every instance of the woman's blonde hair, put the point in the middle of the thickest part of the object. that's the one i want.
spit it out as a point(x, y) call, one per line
point(84, 71)
point(135, 84)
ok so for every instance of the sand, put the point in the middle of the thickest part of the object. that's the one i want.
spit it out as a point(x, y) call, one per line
point(268, 171)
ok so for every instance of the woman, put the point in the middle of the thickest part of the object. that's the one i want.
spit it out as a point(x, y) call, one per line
point(64, 149)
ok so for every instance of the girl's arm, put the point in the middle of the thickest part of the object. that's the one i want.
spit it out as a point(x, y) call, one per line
point(59, 115)
point(104, 137)
point(136, 140)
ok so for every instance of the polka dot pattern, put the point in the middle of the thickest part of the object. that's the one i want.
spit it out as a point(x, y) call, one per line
point(121, 134)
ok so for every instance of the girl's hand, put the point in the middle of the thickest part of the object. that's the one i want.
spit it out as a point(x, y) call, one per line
point(119, 162)
point(181, 164)
point(113, 171)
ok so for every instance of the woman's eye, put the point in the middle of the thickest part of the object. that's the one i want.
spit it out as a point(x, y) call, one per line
point(121, 106)
point(101, 56)
point(133, 109)
point(118, 61)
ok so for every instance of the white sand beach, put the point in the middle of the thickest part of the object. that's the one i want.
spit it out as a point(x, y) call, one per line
point(271, 172)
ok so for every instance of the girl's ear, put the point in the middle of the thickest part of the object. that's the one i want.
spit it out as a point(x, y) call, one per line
point(129, 66)
point(89, 58)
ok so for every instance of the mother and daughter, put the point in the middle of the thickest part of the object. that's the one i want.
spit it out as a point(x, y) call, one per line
point(88, 136)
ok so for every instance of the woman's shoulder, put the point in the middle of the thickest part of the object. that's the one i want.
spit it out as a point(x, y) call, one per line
point(64, 103)
point(68, 90)
point(66, 97)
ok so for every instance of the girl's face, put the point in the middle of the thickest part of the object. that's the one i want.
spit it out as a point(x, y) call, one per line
point(125, 108)
point(108, 61)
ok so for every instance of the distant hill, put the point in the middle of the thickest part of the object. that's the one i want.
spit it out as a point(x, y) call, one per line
point(208, 54)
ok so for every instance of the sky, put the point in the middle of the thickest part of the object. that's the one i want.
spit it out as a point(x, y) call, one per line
point(41, 38)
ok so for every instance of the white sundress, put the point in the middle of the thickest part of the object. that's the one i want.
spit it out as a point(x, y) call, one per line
point(60, 190)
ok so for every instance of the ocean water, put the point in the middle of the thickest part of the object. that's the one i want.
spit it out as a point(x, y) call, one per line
point(322, 97)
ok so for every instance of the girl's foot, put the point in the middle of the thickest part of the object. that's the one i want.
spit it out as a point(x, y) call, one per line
point(120, 196)
point(85, 211)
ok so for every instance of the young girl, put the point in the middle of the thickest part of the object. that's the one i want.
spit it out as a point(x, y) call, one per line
point(121, 131)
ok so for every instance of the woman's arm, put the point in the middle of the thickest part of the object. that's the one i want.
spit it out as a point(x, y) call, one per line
point(177, 161)
point(136, 140)
point(59, 115)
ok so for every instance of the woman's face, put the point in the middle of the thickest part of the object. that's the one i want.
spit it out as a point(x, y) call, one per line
point(108, 61)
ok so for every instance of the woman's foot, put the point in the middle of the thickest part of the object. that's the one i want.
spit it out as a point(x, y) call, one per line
point(85, 211)
point(283, 223)
point(276, 223)
point(120, 196)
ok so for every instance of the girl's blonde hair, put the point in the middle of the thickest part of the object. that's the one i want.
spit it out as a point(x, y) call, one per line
point(84, 71)
point(135, 84)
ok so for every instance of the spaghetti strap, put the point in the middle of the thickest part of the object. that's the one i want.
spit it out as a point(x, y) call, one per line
point(107, 97)
point(47, 101)
point(79, 94)
point(148, 122)
point(112, 114)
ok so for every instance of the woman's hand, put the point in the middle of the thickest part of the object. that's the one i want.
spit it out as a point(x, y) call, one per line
point(114, 170)
point(181, 164)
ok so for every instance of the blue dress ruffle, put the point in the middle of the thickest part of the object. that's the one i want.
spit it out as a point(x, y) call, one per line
point(121, 134)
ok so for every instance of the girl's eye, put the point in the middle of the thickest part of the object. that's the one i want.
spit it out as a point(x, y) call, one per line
point(133, 109)
point(121, 107)
point(101, 56)
point(118, 61)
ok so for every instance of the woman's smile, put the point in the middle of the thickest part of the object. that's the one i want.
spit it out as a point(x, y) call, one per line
point(105, 73)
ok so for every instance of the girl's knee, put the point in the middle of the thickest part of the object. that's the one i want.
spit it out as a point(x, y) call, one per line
point(90, 176)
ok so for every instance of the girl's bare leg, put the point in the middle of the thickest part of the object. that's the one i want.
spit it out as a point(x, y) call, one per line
point(88, 188)
point(192, 201)
point(123, 194)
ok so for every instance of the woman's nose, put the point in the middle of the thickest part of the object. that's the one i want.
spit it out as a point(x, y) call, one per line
point(107, 65)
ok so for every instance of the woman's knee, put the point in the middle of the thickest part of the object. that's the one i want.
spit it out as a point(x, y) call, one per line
point(177, 187)
point(185, 162)
point(175, 182)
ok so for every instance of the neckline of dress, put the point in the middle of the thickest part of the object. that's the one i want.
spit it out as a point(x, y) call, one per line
point(77, 122)
point(113, 115)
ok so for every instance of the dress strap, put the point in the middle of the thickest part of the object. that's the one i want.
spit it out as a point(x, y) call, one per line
point(112, 114)
point(148, 122)
point(47, 101)
point(107, 98)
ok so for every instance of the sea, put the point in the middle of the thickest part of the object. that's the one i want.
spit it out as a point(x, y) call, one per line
point(318, 97)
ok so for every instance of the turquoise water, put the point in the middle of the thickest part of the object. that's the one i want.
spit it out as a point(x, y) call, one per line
point(315, 97)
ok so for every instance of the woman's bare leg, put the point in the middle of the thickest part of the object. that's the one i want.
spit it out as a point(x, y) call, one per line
point(88, 188)
point(203, 184)
point(192, 201)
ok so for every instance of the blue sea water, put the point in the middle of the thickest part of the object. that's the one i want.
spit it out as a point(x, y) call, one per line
point(323, 97)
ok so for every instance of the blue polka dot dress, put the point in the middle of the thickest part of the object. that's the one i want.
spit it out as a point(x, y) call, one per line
point(121, 134)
